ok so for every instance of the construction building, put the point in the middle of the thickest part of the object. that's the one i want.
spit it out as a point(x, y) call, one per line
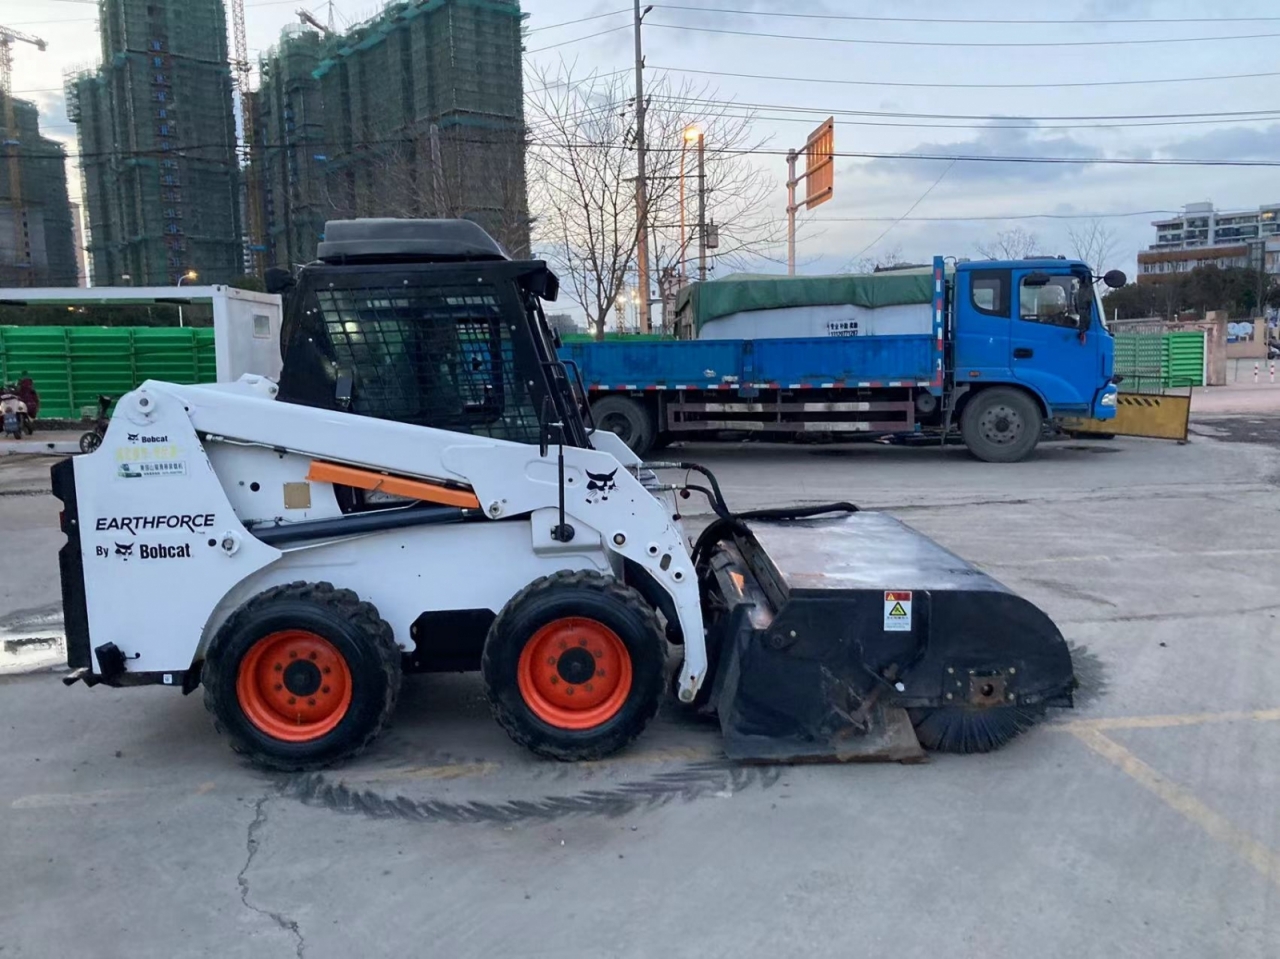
point(1203, 236)
point(158, 145)
point(36, 245)
point(416, 112)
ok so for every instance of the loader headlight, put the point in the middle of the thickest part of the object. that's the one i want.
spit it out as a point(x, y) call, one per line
point(1108, 398)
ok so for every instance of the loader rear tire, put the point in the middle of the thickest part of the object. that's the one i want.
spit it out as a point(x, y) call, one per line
point(302, 676)
point(573, 666)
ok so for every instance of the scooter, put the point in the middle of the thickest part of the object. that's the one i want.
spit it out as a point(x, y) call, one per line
point(14, 417)
point(91, 440)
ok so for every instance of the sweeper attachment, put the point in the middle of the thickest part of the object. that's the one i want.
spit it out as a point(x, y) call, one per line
point(420, 491)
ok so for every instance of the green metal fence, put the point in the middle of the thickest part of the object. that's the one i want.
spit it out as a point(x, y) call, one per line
point(73, 365)
point(1151, 360)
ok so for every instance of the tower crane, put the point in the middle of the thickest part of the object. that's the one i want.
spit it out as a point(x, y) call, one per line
point(252, 208)
point(12, 145)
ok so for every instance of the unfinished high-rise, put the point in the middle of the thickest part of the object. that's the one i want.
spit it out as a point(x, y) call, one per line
point(36, 246)
point(158, 145)
point(417, 112)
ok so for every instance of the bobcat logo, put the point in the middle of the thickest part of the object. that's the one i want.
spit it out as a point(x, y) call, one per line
point(133, 437)
point(600, 485)
point(125, 550)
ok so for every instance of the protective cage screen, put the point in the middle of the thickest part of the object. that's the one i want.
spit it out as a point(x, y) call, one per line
point(439, 357)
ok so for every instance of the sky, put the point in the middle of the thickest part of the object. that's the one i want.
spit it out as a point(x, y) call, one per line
point(1033, 89)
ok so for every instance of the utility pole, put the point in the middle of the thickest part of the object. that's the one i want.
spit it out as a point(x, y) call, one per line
point(702, 205)
point(791, 213)
point(642, 201)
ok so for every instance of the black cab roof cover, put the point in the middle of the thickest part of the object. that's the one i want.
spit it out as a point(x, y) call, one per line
point(390, 238)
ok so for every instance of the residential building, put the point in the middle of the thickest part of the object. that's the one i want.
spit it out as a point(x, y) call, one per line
point(416, 112)
point(157, 142)
point(36, 247)
point(1203, 236)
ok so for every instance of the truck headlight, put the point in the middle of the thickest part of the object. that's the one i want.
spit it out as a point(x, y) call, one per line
point(1108, 398)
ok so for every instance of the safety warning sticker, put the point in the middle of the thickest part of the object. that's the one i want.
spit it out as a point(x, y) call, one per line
point(897, 611)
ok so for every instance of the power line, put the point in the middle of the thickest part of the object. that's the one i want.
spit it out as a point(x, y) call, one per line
point(962, 43)
point(967, 86)
point(589, 36)
point(727, 151)
point(984, 219)
point(883, 114)
point(996, 125)
point(1004, 20)
point(911, 208)
point(598, 16)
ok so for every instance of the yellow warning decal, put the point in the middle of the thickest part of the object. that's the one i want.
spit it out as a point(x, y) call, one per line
point(897, 611)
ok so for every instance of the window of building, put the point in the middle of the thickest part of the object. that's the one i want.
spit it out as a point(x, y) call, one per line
point(989, 291)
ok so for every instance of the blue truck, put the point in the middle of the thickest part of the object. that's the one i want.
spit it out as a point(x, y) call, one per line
point(992, 350)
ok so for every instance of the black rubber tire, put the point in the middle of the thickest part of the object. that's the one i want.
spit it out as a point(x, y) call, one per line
point(628, 419)
point(89, 442)
point(586, 594)
point(353, 626)
point(29, 425)
point(985, 413)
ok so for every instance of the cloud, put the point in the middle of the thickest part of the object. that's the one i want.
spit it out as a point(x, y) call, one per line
point(994, 140)
point(1228, 143)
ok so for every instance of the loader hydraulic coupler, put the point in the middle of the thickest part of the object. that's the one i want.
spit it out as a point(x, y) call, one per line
point(859, 638)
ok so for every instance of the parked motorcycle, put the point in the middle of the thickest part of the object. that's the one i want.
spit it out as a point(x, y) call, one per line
point(91, 440)
point(15, 416)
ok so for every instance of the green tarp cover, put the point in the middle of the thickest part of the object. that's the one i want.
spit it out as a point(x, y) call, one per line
point(747, 291)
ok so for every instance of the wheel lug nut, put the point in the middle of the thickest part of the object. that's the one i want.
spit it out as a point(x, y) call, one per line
point(293, 654)
point(327, 670)
point(325, 690)
point(279, 667)
point(311, 702)
point(292, 700)
point(278, 687)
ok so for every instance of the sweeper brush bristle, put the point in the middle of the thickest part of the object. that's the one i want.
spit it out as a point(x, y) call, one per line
point(972, 729)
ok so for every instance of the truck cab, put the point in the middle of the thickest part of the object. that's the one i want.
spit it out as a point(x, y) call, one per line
point(1037, 325)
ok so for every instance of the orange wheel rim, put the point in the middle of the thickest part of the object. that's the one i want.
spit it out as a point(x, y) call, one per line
point(574, 673)
point(294, 685)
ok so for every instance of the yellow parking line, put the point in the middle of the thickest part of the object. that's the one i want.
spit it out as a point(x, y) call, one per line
point(1164, 722)
point(1260, 857)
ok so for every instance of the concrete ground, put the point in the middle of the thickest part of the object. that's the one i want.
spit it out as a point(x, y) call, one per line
point(1143, 823)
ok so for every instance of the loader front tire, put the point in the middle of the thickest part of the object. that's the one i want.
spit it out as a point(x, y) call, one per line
point(573, 666)
point(302, 676)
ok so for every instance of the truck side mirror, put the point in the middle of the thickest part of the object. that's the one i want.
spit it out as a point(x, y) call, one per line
point(1115, 279)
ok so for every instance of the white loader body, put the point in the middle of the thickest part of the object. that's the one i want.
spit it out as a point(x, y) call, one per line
point(187, 475)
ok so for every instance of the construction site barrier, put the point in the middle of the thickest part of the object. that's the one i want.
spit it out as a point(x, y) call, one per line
point(72, 366)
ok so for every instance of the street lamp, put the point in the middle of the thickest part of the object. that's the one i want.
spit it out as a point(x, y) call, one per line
point(190, 275)
point(692, 134)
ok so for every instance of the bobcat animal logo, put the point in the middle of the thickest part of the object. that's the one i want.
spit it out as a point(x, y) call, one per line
point(600, 485)
point(124, 549)
point(133, 437)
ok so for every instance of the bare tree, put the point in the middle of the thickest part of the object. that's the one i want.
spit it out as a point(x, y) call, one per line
point(1094, 243)
point(885, 260)
point(1014, 244)
point(582, 182)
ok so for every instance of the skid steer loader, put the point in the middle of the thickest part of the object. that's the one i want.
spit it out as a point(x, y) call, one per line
point(420, 491)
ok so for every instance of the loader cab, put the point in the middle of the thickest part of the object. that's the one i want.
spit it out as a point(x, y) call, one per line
point(1036, 324)
point(426, 322)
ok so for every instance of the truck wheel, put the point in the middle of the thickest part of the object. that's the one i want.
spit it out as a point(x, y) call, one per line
point(628, 419)
point(1001, 425)
point(573, 666)
point(302, 676)
point(89, 442)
